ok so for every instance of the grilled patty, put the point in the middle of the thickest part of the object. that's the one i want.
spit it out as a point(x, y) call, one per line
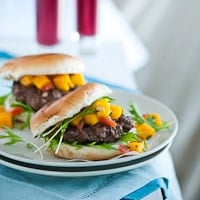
point(34, 97)
point(98, 132)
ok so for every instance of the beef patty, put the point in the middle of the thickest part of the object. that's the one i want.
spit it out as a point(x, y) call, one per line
point(99, 132)
point(34, 97)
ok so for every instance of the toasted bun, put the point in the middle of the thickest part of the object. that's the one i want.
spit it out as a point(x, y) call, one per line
point(42, 64)
point(67, 106)
point(85, 152)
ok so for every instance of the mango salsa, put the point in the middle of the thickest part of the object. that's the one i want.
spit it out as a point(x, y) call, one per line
point(76, 121)
point(91, 119)
point(116, 111)
point(5, 119)
point(103, 107)
point(41, 81)
point(156, 118)
point(77, 79)
point(136, 146)
point(63, 82)
point(26, 80)
point(145, 131)
point(2, 109)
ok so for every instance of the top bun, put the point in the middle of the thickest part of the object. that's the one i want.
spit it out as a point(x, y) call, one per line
point(67, 106)
point(42, 64)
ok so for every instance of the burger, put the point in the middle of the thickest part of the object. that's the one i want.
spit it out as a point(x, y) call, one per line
point(85, 124)
point(40, 79)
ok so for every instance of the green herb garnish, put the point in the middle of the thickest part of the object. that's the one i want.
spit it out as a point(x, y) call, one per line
point(101, 145)
point(14, 138)
point(135, 114)
point(3, 99)
point(28, 110)
point(138, 118)
point(130, 137)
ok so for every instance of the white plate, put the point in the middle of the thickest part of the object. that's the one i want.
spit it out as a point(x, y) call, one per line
point(19, 157)
point(83, 171)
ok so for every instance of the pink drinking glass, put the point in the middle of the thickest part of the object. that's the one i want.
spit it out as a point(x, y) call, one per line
point(86, 17)
point(47, 21)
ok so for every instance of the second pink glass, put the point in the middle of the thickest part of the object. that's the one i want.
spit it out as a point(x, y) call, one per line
point(47, 21)
point(86, 17)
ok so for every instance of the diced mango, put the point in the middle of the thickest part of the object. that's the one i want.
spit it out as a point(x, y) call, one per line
point(136, 146)
point(76, 121)
point(26, 80)
point(2, 109)
point(41, 81)
point(5, 120)
point(103, 107)
point(145, 131)
point(77, 79)
point(63, 82)
point(91, 119)
point(116, 111)
point(157, 119)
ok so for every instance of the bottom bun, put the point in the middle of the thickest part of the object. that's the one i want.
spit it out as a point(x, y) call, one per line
point(85, 153)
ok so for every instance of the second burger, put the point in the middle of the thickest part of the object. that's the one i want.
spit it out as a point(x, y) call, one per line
point(40, 79)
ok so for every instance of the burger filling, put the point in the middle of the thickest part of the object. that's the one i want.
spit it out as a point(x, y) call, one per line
point(102, 124)
point(34, 97)
point(37, 91)
point(99, 132)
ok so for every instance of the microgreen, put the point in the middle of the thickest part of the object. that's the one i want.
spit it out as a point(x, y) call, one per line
point(60, 129)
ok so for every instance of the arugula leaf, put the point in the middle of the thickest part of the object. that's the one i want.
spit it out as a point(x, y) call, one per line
point(151, 122)
point(3, 98)
point(101, 145)
point(25, 124)
point(105, 146)
point(75, 144)
point(24, 106)
point(136, 114)
point(13, 139)
point(29, 111)
point(85, 111)
point(110, 99)
point(137, 117)
point(130, 137)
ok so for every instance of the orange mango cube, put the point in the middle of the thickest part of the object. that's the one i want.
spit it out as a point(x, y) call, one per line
point(136, 146)
point(63, 82)
point(41, 81)
point(26, 80)
point(116, 111)
point(5, 120)
point(145, 131)
point(91, 119)
point(77, 79)
point(103, 107)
